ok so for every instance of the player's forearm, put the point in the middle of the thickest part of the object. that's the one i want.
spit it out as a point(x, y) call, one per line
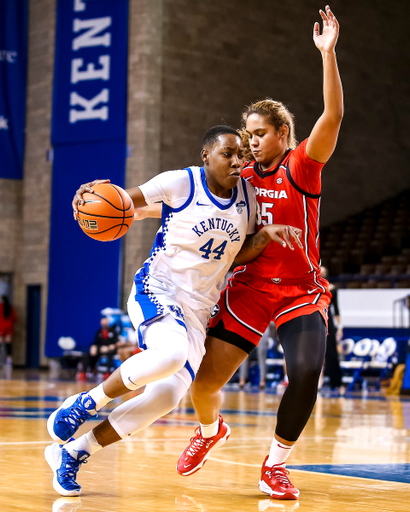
point(332, 88)
point(252, 247)
point(152, 211)
point(323, 138)
point(137, 197)
point(142, 210)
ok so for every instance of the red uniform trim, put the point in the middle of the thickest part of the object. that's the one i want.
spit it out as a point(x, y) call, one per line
point(248, 311)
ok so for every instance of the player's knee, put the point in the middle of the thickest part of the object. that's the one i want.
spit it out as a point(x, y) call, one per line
point(204, 386)
point(171, 396)
point(305, 377)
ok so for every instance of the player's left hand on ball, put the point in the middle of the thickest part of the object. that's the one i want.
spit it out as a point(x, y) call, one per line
point(283, 234)
point(78, 198)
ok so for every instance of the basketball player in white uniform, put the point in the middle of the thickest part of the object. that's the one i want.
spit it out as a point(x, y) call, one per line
point(206, 216)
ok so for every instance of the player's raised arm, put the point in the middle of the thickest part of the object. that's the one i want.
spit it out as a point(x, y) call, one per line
point(322, 140)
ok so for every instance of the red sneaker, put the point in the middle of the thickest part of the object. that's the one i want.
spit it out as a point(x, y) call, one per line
point(275, 482)
point(197, 452)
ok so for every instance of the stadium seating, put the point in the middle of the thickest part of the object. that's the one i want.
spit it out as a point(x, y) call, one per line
point(371, 249)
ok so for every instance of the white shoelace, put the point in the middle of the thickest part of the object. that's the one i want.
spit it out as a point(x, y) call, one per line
point(281, 474)
point(196, 446)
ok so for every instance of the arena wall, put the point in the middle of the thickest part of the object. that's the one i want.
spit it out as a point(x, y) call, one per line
point(196, 64)
point(220, 56)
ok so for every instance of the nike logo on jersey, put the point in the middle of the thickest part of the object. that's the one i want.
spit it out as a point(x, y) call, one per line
point(313, 291)
point(272, 194)
point(201, 204)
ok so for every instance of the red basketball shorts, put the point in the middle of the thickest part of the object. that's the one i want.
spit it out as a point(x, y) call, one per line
point(243, 313)
point(6, 329)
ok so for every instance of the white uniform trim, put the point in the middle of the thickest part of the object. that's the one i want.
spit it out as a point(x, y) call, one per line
point(299, 306)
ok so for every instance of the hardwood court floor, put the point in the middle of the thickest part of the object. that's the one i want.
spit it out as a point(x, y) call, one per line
point(354, 455)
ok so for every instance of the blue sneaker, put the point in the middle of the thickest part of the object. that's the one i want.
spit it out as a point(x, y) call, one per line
point(66, 420)
point(65, 468)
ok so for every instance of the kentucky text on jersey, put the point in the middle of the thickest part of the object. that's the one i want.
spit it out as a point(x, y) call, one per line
point(273, 194)
point(217, 223)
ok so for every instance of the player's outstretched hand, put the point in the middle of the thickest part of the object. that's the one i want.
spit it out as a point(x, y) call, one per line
point(283, 234)
point(78, 198)
point(326, 41)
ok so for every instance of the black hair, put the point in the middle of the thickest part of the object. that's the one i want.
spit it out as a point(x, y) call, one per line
point(211, 136)
point(6, 306)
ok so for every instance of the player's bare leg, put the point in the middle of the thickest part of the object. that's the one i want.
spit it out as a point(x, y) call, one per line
point(219, 364)
point(114, 385)
point(105, 434)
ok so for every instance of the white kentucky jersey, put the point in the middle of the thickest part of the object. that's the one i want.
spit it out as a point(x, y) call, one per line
point(198, 240)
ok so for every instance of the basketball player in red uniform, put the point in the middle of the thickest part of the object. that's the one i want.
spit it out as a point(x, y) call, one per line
point(283, 287)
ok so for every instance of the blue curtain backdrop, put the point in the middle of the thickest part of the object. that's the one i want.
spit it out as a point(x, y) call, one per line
point(13, 76)
point(89, 141)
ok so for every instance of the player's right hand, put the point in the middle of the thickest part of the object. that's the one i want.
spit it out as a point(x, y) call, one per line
point(78, 198)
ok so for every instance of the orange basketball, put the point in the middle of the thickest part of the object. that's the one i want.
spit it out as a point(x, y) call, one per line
point(107, 213)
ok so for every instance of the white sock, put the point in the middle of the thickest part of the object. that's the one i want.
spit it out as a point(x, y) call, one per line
point(210, 430)
point(99, 397)
point(87, 443)
point(279, 452)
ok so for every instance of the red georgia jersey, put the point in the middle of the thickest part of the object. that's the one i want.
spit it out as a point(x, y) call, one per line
point(288, 194)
